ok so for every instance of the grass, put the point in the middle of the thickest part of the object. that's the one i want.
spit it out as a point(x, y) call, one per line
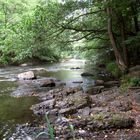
point(50, 130)
point(50, 127)
point(71, 127)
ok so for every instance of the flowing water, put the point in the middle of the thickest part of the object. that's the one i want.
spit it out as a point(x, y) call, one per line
point(15, 111)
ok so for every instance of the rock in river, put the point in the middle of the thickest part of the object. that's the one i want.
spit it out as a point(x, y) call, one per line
point(27, 75)
point(48, 83)
point(86, 74)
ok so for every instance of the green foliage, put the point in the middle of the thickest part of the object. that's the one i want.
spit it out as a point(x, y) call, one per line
point(134, 81)
point(129, 81)
point(112, 67)
point(97, 51)
point(49, 30)
point(25, 38)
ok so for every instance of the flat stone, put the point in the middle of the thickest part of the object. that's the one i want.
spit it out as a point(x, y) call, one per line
point(43, 107)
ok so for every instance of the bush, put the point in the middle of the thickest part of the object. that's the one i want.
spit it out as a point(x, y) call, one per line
point(113, 69)
point(134, 81)
point(129, 81)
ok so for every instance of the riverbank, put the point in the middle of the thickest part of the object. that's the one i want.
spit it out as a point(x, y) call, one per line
point(99, 112)
point(110, 115)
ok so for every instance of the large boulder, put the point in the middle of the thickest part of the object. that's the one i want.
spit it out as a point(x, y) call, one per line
point(27, 75)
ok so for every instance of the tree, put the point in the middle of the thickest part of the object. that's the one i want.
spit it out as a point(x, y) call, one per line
point(88, 20)
point(55, 26)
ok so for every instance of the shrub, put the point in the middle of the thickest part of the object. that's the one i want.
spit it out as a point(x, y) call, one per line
point(113, 69)
point(129, 81)
point(134, 81)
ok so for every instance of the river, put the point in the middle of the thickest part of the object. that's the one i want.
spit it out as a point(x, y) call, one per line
point(15, 111)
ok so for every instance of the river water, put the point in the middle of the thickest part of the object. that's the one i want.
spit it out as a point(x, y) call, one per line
point(15, 111)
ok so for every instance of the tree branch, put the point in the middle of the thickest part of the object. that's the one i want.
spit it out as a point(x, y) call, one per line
point(84, 30)
point(93, 12)
point(79, 38)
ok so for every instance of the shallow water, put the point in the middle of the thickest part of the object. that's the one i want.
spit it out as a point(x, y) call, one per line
point(15, 111)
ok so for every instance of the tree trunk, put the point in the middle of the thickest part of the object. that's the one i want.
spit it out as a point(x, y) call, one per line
point(135, 17)
point(123, 38)
point(118, 56)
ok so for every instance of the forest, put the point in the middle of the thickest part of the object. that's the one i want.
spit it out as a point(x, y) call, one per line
point(50, 30)
point(84, 42)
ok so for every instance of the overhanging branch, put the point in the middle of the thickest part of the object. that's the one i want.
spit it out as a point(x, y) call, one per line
point(84, 30)
point(85, 14)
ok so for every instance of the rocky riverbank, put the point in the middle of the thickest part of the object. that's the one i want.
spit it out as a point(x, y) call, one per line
point(100, 113)
point(110, 114)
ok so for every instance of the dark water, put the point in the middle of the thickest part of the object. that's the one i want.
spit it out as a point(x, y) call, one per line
point(15, 111)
